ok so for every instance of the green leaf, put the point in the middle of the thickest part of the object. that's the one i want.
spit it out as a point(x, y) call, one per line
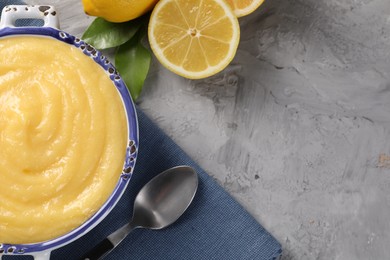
point(103, 34)
point(132, 60)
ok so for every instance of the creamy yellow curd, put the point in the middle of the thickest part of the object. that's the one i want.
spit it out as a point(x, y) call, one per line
point(63, 136)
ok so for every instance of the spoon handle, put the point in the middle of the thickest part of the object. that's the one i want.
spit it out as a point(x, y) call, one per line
point(109, 243)
point(99, 251)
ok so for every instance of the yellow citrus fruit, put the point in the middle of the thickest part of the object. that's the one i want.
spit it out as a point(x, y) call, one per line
point(244, 7)
point(194, 38)
point(118, 10)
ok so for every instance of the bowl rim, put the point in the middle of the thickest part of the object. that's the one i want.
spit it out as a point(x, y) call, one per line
point(131, 150)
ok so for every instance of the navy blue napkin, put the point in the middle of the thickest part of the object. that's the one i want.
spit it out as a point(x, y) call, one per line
point(215, 226)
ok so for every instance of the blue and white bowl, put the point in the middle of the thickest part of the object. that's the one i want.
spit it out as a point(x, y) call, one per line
point(10, 15)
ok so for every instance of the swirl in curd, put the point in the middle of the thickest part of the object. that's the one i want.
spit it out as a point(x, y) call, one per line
point(63, 136)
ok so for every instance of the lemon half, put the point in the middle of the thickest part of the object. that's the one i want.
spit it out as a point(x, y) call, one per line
point(194, 38)
point(244, 7)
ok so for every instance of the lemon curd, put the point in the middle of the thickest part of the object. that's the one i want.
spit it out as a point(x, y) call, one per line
point(63, 136)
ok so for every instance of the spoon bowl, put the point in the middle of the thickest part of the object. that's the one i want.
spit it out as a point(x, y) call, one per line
point(159, 203)
point(165, 198)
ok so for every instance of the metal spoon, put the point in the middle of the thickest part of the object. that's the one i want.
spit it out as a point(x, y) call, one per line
point(159, 203)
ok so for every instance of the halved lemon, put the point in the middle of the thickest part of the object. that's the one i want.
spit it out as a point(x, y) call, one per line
point(194, 38)
point(244, 7)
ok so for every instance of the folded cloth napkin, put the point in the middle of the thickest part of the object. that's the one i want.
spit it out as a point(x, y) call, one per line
point(215, 226)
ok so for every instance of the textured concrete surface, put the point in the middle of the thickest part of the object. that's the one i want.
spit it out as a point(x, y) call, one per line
point(297, 128)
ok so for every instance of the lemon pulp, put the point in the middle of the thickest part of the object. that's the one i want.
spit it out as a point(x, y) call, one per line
point(244, 7)
point(194, 39)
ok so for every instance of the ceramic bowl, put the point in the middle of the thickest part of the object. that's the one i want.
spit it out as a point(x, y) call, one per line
point(10, 15)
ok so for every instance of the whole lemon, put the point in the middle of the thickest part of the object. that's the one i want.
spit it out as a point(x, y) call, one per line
point(118, 10)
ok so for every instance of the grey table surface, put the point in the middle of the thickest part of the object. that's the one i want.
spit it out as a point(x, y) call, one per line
point(297, 128)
